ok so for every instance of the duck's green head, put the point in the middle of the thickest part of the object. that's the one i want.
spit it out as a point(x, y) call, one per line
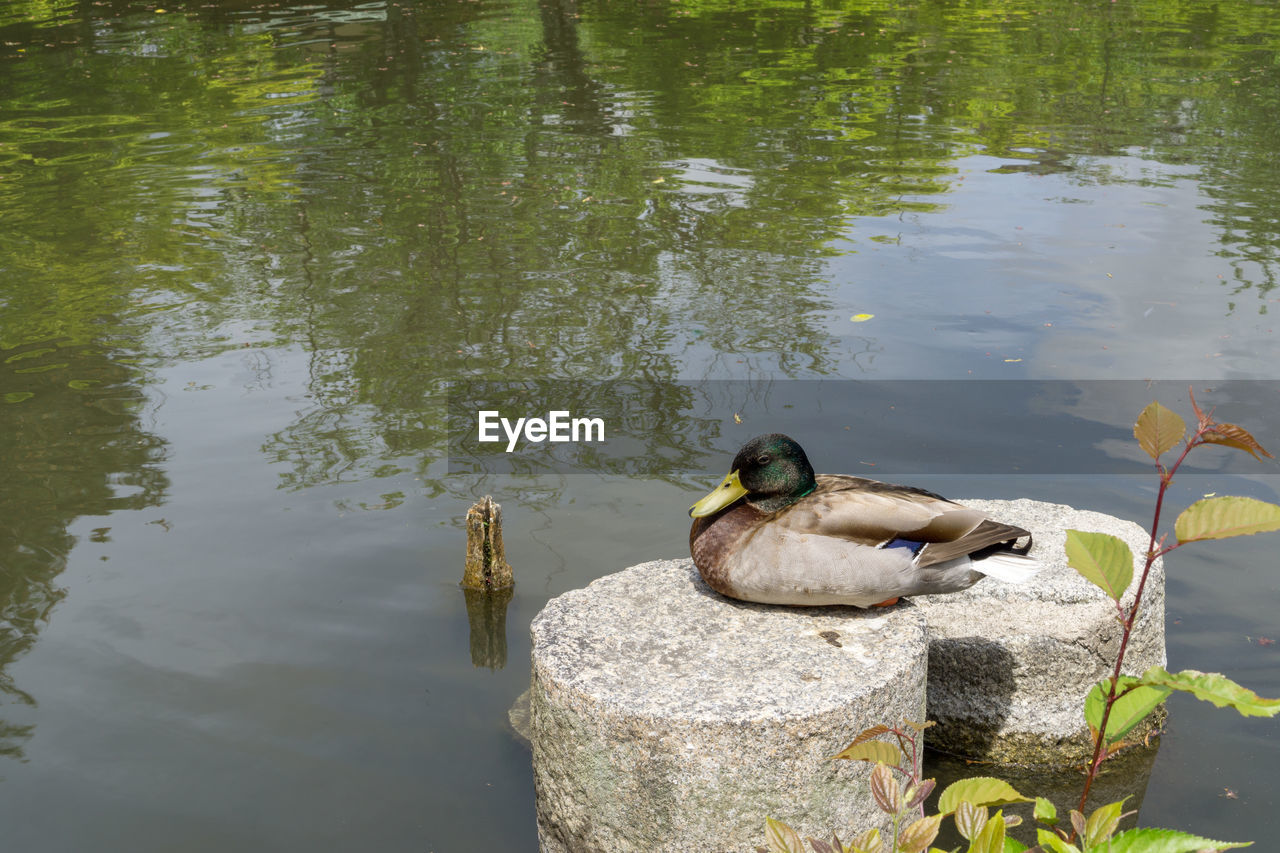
point(770, 471)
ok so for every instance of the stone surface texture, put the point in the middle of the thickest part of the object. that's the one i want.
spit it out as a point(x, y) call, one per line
point(1010, 665)
point(668, 718)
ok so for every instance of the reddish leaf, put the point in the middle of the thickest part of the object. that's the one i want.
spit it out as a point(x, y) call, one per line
point(885, 790)
point(868, 734)
point(1237, 437)
point(916, 794)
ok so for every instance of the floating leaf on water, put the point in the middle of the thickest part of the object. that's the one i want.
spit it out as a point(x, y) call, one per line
point(861, 318)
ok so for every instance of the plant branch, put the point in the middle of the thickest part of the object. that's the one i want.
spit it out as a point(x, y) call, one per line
point(1153, 553)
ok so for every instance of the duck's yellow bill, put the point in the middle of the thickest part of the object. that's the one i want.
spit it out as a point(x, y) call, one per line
point(729, 490)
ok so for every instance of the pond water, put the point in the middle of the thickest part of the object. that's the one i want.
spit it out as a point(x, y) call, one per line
point(259, 262)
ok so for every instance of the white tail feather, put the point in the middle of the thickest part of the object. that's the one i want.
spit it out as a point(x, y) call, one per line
point(1011, 568)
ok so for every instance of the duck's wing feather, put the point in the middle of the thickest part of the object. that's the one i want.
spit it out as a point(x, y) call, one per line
point(872, 513)
point(985, 535)
point(869, 512)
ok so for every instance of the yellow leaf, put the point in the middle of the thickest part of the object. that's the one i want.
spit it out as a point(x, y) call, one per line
point(980, 791)
point(1158, 429)
point(873, 751)
point(919, 834)
point(861, 318)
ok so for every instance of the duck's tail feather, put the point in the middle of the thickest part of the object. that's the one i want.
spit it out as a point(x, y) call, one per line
point(1008, 566)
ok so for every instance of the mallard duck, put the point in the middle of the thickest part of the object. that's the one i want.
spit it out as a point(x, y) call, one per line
point(773, 532)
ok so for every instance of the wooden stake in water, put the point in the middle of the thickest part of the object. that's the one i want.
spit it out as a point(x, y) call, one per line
point(487, 583)
point(486, 567)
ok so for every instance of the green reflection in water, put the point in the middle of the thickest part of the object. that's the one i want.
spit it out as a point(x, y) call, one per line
point(72, 444)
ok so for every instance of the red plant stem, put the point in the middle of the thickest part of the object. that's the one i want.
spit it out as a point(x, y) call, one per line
point(1166, 477)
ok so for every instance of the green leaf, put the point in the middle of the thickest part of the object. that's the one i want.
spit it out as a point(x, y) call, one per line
point(1158, 429)
point(1213, 687)
point(782, 838)
point(1050, 841)
point(1045, 811)
point(1151, 840)
point(1102, 559)
point(870, 841)
point(1012, 845)
point(875, 751)
point(1135, 702)
point(1103, 823)
point(980, 791)
point(1221, 518)
point(991, 838)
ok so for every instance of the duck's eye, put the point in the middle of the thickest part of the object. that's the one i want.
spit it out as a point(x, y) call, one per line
point(763, 460)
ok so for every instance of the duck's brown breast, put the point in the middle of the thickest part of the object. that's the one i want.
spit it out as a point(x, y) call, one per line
point(715, 540)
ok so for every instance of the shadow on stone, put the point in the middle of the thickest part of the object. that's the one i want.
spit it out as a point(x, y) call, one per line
point(976, 675)
point(1010, 665)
